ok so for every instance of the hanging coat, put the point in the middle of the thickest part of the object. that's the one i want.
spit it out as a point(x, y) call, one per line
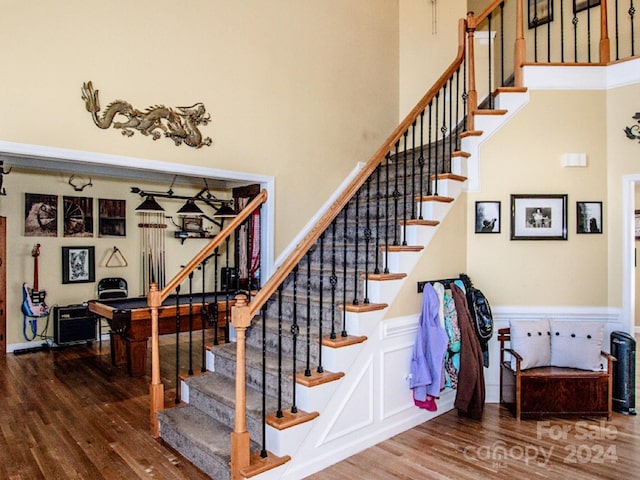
point(427, 361)
point(470, 395)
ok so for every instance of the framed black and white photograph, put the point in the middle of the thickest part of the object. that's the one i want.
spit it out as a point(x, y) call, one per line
point(589, 217)
point(637, 224)
point(78, 265)
point(580, 5)
point(539, 12)
point(40, 215)
point(487, 217)
point(539, 217)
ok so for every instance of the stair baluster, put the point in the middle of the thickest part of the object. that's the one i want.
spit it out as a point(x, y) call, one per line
point(177, 396)
point(357, 248)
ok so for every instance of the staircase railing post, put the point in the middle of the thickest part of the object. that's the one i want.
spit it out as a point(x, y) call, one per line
point(240, 440)
point(472, 102)
point(520, 47)
point(605, 47)
point(156, 388)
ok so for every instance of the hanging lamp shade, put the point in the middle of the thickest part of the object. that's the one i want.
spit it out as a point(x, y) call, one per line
point(149, 206)
point(225, 211)
point(190, 209)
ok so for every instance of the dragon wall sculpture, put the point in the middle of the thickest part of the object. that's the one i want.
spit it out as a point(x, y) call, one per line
point(180, 124)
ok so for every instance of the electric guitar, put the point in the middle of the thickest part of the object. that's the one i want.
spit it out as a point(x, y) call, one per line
point(33, 300)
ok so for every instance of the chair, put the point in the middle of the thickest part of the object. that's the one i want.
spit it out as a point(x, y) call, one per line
point(109, 288)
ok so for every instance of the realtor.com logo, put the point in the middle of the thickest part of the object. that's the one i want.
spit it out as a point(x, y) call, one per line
point(582, 442)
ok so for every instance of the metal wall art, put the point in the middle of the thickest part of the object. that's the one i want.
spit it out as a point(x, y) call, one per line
point(180, 124)
point(633, 132)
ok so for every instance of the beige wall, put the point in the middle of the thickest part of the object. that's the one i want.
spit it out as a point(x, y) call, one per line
point(426, 49)
point(524, 157)
point(275, 77)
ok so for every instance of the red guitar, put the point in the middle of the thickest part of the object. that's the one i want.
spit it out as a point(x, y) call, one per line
point(33, 304)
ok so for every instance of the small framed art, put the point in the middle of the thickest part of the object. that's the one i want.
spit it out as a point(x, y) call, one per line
point(487, 217)
point(539, 217)
point(589, 217)
point(540, 12)
point(78, 265)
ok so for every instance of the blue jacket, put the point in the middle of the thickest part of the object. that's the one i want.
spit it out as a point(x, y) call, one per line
point(427, 361)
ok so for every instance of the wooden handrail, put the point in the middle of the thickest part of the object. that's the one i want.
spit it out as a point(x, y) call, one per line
point(155, 298)
point(307, 242)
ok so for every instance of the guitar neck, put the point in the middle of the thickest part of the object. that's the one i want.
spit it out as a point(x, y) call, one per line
point(35, 273)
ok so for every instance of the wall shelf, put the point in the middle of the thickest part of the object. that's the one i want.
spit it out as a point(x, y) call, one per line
point(183, 234)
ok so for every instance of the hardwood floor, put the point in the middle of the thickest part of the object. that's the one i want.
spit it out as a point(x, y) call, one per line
point(68, 414)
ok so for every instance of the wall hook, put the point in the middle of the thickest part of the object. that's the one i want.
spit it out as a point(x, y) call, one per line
point(2, 174)
point(80, 188)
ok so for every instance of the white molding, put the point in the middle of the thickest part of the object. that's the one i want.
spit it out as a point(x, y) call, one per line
point(581, 77)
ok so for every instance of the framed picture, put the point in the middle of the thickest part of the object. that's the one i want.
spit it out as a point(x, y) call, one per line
point(78, 265)
point(78, 216)
point(539, 217)
point(192, 224)
point(112, 218)
point(637, 224)
point(589, 217)
point(541, 12)
point(40, 215)
point(487, 217)
point(580, 5)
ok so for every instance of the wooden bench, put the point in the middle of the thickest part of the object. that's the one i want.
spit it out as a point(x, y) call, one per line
point(553, 391)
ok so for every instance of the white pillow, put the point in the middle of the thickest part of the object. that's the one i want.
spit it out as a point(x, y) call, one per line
point(530, 338)
point(577, 345)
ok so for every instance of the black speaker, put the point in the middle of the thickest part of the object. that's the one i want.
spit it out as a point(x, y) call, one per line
point(73, 324)
point(229, 277)
point(623, 347)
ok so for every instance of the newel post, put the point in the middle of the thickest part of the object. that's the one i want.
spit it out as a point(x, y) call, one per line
point(156, 389)
point(473, 92)
point(520, 47)
point(605, 47)
point(240, 441)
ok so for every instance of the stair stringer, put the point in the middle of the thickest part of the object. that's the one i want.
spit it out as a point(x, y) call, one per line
point(513, 102)
point(373, 401)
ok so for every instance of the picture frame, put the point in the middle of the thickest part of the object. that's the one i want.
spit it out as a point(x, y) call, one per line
point(40, 215)
point(112, 218)
point(487, 217)
point(78, 265)
point(77, 216)
point(589, 217)
point(192, 224)
point(637, 224)
point(580, 5)
point(540, 12)
point(539, 217)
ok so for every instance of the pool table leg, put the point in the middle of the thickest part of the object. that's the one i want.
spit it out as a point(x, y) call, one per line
point(137, 356)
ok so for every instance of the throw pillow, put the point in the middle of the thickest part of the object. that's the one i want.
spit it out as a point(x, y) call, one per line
point(577, 345)
point(530, 338)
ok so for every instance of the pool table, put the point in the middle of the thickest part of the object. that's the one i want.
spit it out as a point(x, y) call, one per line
point(130, 323)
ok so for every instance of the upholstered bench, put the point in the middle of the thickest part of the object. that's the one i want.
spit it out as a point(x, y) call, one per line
point(543, 386)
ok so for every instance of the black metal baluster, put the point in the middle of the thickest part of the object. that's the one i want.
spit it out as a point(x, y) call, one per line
point(357, 248)
point(367, 240)
point(333, 280)
point(216, 310)
point(632, 13)
point(177, 398)
point(279, 413)
point(386, 216)
point(443, 130)
point(430, 149)
point(190, 297)
point(413, 170)
point(204, 318)
point(457, 129)
point(396, 194)
point(227, 309)
point(588, 34)
point(263, 450)
point(344, 271)
point(248, 253)
point(451, 118)
point(320, 301)
point(618, 31)
point(549, 9)
point(307, 370)
point(404, 192)
point(502, 80)
point(490, 69)
point(376, 270)
point(434, 173)
point(295, 330)
point(421, 164)
point(561, 32)
point(575, 37)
